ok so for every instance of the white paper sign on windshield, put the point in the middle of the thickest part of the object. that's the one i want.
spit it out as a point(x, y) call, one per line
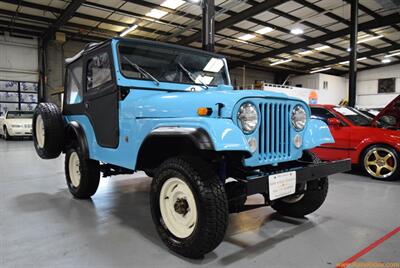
point(344, 111)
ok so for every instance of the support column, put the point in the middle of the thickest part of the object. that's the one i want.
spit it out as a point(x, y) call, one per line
point(208, 30)
point(353, 53)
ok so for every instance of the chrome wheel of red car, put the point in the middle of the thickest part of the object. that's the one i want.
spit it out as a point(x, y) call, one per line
point(381, 162)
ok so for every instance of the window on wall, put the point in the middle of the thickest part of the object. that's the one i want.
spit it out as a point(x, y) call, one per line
point(98, 71)
point(74, 83)
point(325, 85)
point(387, 85)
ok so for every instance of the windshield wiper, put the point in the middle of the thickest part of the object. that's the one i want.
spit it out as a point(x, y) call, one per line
point(142, 71)
point(191, 75)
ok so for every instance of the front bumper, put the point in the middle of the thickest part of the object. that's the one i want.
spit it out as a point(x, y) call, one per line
point(20, 132)
point(305, 171)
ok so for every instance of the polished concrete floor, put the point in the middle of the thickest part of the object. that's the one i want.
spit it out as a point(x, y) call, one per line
point(41, 225)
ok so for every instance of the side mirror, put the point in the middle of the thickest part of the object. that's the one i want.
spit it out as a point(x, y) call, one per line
point(334, 122)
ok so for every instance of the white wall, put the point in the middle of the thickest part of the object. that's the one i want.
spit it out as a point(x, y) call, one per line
point(333, 94)
point(251, 76)
point(18, 59)
point(367, 86)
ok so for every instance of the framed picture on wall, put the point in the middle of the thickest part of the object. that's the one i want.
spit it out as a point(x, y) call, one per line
point(387, 85)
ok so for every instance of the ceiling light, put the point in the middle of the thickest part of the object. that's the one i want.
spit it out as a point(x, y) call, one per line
point(347, 62)
point(322, 48)
point(306, 52)
point(369, 39)
point(386, 61)
point(320, 70)
point(264, 30)
point(392, 55)
point(156, 13)
point(130, 29)
point(296, 31)
point(214, 65)
point(348, 49)
point(280, 62)
point(247, 37)
point(172, 4)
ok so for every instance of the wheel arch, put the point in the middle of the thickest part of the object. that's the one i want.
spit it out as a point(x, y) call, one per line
point(74, 131)
point(166, 142)
point(362, 150)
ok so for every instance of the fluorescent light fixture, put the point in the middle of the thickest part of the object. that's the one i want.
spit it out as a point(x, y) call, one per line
point(320, 70)
point(156, 13)
point(130, 29)
point(280, 62)
point(214, 65)
point(347, 62)
point(296, 31)
point(247, 37)
point(392, 55)
point(322, 48)
point(172, 4)
point(369, 39)
point(386, 61)
point(264, 30)
point(306, 52)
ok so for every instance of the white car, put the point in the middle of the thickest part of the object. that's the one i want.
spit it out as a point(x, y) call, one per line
point(16, 123)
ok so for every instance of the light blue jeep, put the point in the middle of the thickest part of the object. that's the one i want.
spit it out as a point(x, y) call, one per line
point(171, 111)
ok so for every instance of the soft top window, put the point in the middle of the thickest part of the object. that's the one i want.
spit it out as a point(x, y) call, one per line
point(73, 93)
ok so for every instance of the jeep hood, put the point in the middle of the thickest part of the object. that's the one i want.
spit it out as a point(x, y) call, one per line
point(180, 104)
point(390, 114)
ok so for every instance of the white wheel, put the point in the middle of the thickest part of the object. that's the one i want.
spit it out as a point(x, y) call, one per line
point(178, 207)
point(40, 137)
point(74, 169)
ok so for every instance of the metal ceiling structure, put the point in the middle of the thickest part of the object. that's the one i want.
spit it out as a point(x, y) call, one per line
point(256, 33)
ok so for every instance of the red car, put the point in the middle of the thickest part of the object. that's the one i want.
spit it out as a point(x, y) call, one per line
point(372, 143)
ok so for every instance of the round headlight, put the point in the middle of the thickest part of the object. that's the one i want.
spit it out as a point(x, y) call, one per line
point(248, 117)
point(299, 117)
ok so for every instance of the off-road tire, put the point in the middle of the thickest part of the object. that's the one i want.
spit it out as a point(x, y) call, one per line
point(89, 171)
point(54, 129)
point(396, 174)
point(312, 199)
point(149, 172)
point(211, 202)
point(6, 135)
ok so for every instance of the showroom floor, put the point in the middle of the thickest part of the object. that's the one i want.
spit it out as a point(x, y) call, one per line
point(42, 225)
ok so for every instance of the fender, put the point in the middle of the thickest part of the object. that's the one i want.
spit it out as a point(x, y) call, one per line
point(387, 140)
point(198, 136)
point(317, 133)
point(216, 134)
point(79, 133)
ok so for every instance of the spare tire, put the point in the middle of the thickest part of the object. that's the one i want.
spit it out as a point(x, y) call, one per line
point(48, 130)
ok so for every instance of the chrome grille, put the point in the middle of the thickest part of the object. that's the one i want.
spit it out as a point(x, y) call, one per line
point(274, 132)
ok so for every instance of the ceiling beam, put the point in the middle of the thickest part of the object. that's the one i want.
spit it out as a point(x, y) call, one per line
point(248, 13)
point(384, 21)
point(360, 55)
point(64, 17)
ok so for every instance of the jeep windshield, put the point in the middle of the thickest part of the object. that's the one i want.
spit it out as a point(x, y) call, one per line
point(172, 64)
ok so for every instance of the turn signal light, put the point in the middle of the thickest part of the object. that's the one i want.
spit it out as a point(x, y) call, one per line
point(204, 111)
